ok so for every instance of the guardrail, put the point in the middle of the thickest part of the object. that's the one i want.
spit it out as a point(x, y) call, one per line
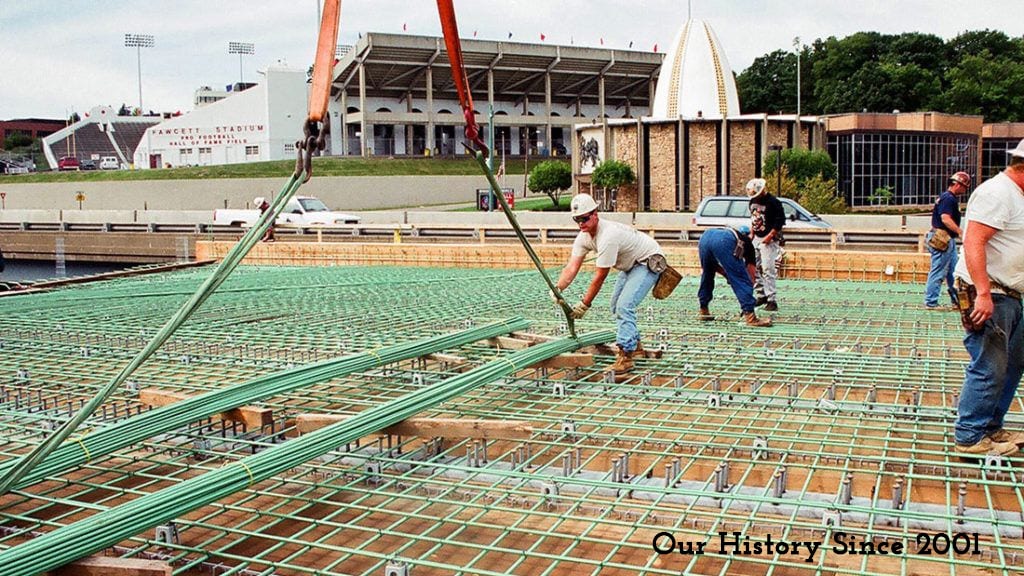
point(835, 239)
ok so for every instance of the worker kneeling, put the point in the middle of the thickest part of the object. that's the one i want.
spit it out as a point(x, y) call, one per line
point(729, 252)
point(639, 260)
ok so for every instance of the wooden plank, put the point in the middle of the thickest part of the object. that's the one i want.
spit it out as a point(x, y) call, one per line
point(566, 361)
point(253, 417)
point(432, 427)
point(108, 566)
point(510, 343)
point(449, 358)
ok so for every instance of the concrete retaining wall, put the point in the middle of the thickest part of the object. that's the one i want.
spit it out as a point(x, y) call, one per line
point(340, 193)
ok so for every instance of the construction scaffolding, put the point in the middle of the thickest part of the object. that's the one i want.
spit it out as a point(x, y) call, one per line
point(834, 426)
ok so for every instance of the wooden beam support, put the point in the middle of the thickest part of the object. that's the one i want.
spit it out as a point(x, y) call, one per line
point(508, 343)
point(109, 566)
point(431, 427)
point(566, 361)
point(254, 418)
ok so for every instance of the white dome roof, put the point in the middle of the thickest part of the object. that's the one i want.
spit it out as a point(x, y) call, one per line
point(696, 77)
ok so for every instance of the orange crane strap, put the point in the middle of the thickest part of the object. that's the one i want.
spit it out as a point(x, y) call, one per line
point(323, 65)
point(446, 10)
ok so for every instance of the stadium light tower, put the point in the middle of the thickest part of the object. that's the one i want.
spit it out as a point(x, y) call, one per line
point(139, 41)
point(241, 48)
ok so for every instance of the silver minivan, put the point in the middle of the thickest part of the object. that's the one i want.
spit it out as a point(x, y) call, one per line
point(735, 211)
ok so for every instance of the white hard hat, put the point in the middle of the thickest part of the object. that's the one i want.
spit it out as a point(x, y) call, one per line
point(755, 187)
point(1018, 151)
point(582, 204)
point(257, 201)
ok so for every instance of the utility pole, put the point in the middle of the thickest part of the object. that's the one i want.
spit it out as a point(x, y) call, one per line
point(799, 132)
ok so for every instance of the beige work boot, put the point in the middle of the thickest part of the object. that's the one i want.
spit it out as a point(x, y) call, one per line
point(704, 315)
point(623, 363)
point(752, 320)
point(1004, 435)
point(988, 446)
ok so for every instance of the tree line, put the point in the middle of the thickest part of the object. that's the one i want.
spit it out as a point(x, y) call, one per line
point(977, 72)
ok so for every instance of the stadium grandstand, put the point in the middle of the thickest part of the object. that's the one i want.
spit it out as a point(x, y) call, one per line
point(101, 132)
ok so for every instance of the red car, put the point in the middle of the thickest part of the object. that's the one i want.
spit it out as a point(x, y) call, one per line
point(68, 163)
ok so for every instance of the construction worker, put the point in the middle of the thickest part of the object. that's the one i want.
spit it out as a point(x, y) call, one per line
point(637, 257)
point(990, 281)
point(729, 252)
point(941, 240)
point(766, 221)
point(262, 205)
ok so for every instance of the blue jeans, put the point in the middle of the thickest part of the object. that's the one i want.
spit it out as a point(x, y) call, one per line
point(991, 378)
point(943, 264)
point(717, 248)
point(630, 289)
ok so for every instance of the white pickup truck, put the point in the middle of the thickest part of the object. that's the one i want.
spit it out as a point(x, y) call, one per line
point(300, 211)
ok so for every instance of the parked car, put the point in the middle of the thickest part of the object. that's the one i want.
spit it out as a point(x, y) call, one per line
point(109, 163)
point(735, 211)
point(300, 211)
point(87, 164)
point(68, 163)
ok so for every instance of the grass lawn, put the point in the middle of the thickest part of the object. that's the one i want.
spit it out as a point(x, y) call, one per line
point(541, 203)
point(282, 169)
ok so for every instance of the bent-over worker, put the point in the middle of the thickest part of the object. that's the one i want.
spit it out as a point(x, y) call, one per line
point(729, 252)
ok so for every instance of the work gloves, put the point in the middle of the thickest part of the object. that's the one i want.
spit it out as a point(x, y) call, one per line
point(580, 310)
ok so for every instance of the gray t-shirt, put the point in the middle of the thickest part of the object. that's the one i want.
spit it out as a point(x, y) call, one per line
point(999, 203)
point(617, 245)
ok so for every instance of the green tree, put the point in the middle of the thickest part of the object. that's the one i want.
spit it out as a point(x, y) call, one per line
point(976, 42)
point(990, 86)
point(552, 178)
point(769, 83)
point(17, 140)
point(781, 184)
point(820, 196)
point(801, 164)
point(613, 174)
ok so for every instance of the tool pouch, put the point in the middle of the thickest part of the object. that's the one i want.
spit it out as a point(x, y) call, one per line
point(667, 282)
point(939, 240)
point(656, 263)
point(965, 295)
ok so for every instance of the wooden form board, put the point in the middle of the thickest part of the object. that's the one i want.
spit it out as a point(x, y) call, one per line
point(108, 566)
point(799, 264)
point(432, 427)
point(252, 417)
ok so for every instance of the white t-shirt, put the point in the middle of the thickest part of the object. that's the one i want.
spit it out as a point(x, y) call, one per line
point(617, 245)
point(999, 203)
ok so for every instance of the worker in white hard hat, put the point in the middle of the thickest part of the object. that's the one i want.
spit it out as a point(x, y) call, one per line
point(766, 221)
point(262, 205)
point(639, 260)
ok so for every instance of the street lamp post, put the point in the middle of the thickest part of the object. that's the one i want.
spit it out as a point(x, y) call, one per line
point(778, 168)
point(139, 41)
point(700, 169)
point(241, 48)
point(796, 46)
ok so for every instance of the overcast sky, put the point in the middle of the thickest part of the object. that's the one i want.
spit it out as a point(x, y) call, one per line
point(69, 55)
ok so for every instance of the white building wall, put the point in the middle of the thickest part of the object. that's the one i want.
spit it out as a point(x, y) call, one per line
point(249, 126)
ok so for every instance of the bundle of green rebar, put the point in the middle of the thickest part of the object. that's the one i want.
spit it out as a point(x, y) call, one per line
point(171, 417)
point(107, 528)
point(27, 462)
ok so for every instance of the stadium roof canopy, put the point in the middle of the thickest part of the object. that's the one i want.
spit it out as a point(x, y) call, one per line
point(396, 64)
